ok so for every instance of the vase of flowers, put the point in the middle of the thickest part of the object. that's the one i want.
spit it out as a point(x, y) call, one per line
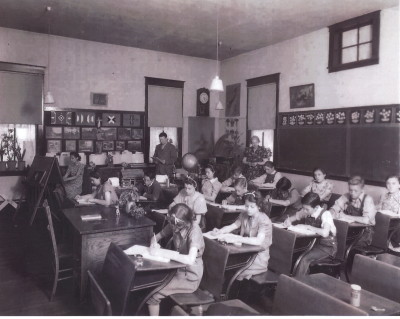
point(127, 203)
point(369, 116)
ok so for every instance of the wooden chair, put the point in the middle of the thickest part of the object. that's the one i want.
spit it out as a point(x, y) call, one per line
point(62, 255)
point(389, 259)
point(281, 257)
point(332, 265)
point(376, 276)
point(294, 298)
point(98, 298)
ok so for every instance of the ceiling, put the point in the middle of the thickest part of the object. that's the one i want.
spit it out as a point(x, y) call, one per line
point(185, 27)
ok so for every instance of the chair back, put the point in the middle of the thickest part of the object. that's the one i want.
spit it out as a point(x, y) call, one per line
point(100, 302)
point(116, 278)
point(381, 231)
point(342, 229)
point(50, 228)
point(281, 251)
point(213, 217)
point(334, 197)
point(294, 298)
point(376, 276)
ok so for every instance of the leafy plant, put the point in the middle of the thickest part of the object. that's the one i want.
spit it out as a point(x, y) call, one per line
point(8, 145)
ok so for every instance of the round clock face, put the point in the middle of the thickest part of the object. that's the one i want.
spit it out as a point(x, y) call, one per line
point(204, 97)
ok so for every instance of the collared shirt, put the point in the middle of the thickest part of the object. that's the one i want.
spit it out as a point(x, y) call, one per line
point(210, 188)
point(389, 201)
point(263, 179)
point(343, 201)
point(323, 189)
point(326, 218)
point(196, 202)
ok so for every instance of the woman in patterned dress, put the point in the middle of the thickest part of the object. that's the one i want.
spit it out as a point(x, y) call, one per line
point(254, 159)
point(73, 177)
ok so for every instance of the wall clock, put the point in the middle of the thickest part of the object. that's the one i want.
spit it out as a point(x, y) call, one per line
point(203, 102)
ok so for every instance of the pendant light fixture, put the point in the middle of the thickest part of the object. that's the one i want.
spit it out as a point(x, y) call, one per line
point(48, 99)
point(216, 84)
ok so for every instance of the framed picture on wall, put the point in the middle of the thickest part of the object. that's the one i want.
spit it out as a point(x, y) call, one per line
point(120, 145)
point(302, 96)
point(135, 146)
point(232, 100)
point(137, 133)
point(108, 145)
point(107, 134)
point(54, 132)
point(86, 146)
point(131, 119)
point(70, 145)
point(99, 147)
point(124, 133)
point(53, 146)
point(72, 133)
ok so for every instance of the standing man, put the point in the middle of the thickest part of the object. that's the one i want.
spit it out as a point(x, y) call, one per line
point(165, 156)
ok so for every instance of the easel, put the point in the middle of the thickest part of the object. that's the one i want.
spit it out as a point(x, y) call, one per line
point(43, 173)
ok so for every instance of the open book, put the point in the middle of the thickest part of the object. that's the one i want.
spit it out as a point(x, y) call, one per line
point(227, 207)
point(163, 255)
point(301, 229)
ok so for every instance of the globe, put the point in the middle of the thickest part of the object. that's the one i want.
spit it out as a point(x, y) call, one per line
point(189, 161)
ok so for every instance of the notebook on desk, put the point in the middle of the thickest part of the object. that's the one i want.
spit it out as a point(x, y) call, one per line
point(300, 229)
point(91, 217)
point(163, 255)
point(82, 202)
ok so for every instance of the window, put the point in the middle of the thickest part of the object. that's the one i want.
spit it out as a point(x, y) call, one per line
point(354, 43)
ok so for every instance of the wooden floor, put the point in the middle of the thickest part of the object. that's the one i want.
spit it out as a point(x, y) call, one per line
point(23, 287)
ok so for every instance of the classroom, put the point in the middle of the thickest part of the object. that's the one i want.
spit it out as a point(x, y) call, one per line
point(199, 158)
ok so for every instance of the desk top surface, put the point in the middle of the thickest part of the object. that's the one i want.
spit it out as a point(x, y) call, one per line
point(342, 291)
point(152, 265)
point(234, 250)
point(109, 222)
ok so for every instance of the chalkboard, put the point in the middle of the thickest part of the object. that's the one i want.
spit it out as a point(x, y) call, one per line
point(304, 148)
point(374, 152)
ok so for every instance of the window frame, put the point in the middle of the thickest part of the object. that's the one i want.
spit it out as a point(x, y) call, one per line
point(335, 41)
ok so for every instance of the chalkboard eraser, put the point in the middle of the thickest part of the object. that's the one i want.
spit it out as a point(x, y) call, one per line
point(91, 217)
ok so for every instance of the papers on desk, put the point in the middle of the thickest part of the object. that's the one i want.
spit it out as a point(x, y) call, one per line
point(279, 225)
point(142, 198)
point(91, 217)
point(162, 255)
point(301, 229)
point(161, 211)
point(84, 202)
point(389, 213)
point(229, 238)
point(227, 207)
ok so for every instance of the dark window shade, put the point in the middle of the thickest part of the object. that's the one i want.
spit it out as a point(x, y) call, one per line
point(20, 98)
point(262, 107)
point(164, 106)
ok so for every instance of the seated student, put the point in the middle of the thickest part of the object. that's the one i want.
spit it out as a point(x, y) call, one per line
point(270, 178)
point(104, 194)
point(389, 204)
point(356, 207)
point(236, 198)
point(319, 185)
point(320, 221)
point(285, 195)
point(210, 185)
point(152, 188)
point(255, 229)
point(194, 200)
point(188, 240)
point(227, 185)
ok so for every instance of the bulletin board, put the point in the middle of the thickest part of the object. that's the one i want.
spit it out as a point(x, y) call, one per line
point(92, 131)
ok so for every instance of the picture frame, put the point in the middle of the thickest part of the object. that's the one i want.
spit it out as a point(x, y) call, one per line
point(302, 96)
point(54, 132)
point(99, 147)
point(85, 146)
point(70, 145)
point(111, 119)
point(131, 120)
point(124, 133)
point(120, 145)
point(71, 132)
point(232, 108)
point(107, 134)
point(89, 133)
point(53, 146)
point(108, 145)
point(137, 133)
point(134, 146)
point(98, 99)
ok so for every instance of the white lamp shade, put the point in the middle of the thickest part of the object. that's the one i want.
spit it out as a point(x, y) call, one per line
point(216, 84)
point(219, 106)
point(48, 99)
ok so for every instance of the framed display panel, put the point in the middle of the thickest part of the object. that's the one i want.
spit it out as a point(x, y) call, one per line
point(54, 132)
point(70, 146)
point(108, 145)
point(120, 145)
point(89, 133)
point(71, 133)
point(85, 146)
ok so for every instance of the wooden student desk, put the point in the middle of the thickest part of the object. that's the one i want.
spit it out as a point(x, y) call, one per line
point(217, 217)
point(92, 238)
point(342, 291)
point(223, 264)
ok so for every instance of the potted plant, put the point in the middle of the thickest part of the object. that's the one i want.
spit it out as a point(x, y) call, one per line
point(7, 146)
point(19, 155)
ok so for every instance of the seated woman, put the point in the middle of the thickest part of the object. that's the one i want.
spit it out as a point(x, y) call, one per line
point(389, 204)
point(227, 185)
point(285, 195)
point(236, 198)
point(210, 185)
point(254, 158)
point(152, 188)
point(194, 200)
point(73, 177)
point(255, 229)
point(188, 240)
point(104, 194)
point(319, 185)
point(315, 218)
point(270, 178)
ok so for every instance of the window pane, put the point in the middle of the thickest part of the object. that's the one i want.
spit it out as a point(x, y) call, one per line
point(267, 139)
point(365, 34)
point(365, 51)
point(349, 55)
point(349, 38)
point(172, 133)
